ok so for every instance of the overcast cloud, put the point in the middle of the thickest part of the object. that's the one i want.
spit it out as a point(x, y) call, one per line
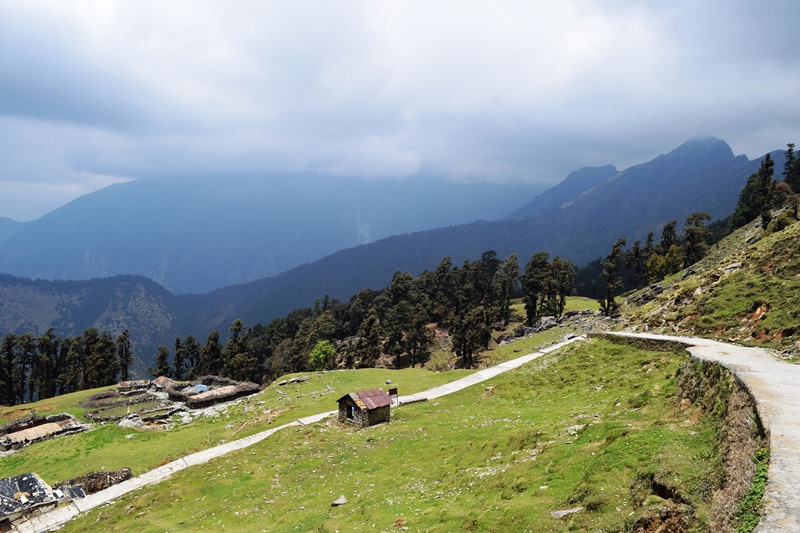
point(94, 92)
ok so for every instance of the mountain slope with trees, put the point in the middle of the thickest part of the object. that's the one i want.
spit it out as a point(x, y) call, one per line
point(156, 317)
point(149, 312)
point(701, 175)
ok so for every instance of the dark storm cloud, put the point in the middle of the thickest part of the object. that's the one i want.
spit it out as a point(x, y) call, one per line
point(97, 92)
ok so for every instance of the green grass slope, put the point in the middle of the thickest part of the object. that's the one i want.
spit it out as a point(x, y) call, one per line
point(108, 446)
point(595, 425)
point(747, 290)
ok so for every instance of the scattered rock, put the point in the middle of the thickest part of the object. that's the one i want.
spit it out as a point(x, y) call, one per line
point(574, 430)
point(732, 267)
point(558, 515)
point(132, 421)
point(388, 382)
point(341, 500)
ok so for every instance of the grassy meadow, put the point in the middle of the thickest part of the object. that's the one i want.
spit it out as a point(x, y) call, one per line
point(591, 425)
point(109, 446)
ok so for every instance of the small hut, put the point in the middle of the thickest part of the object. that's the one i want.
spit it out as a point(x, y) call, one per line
point(365, 408)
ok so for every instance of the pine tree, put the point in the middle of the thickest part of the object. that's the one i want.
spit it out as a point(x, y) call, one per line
point(211, 355)
point(668, 237)
point(43, 371)
point(506, 281)
point(162, 363)
point(25, 353)
point(791, 169)
point(533, 283)
point(470, 333)
point(565, 277)
point(418, 338)
point(179, 360)
point(369, 344)
point(192, 349)
point(8, 350)
point(767, 188)
point(756, 197)
point(106, 358)
point(612, 265)
point(696, 236)
point(124, 354)
point(443, 291)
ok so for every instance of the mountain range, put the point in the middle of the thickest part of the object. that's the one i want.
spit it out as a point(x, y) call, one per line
point(198, 234)
point(578, 219)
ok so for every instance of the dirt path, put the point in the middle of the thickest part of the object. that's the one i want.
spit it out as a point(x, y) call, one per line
point(775, 386)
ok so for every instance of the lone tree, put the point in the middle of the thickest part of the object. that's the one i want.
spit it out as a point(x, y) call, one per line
point(612, 265)
point(322, 356)
point(124, 353)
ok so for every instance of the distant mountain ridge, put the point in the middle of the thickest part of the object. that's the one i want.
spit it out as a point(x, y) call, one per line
point(573, 185)
point(8, 228)
point(197, 234)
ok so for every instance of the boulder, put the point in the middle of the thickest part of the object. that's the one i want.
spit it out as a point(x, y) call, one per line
point(565, 512)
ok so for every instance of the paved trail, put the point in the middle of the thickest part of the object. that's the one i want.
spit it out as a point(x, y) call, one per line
point(61, 515)
point(775, 386)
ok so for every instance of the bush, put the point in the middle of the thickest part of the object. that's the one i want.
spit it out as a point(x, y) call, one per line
point(780, 223)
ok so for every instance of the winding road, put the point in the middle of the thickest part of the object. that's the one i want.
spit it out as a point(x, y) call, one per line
point(774, 384)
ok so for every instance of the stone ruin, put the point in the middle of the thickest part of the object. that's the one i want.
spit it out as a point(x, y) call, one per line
point(35, 428)
point(151, 401)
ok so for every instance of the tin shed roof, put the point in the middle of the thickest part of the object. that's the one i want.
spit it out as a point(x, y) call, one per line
point(22, 492)
point(370, 399)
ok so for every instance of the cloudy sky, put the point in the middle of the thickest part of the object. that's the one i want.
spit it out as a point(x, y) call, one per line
point(95, 92)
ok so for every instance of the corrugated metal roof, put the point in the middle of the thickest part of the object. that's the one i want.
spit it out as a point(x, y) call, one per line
point(370, 399)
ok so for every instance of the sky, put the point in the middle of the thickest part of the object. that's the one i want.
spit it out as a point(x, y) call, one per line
point(99, 92)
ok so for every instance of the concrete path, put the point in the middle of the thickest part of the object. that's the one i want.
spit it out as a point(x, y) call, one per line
point(775, 386)
point(482, 375)
point(51, 520)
